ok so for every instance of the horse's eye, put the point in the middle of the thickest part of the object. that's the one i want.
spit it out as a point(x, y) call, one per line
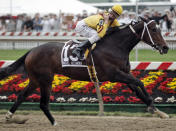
point(154, 30)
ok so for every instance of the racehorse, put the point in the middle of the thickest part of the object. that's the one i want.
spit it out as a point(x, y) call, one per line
point(111, 60)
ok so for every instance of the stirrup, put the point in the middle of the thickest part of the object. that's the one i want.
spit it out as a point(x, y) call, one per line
point(77, 53)
point(81, 57)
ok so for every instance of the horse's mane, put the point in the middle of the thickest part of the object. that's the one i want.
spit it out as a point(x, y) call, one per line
point(119, 28)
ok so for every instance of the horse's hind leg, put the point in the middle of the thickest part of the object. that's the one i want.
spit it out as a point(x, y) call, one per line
point(45, 82)
point(21, 97)
point(44, 103)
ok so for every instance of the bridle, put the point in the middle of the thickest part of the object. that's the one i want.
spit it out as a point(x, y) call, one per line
point(144, 29)
point(161, 49)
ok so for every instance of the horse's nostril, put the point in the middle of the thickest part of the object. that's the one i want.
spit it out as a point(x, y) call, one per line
point(165, 49)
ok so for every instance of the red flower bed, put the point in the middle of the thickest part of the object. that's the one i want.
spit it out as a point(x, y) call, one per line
point(120, 99)
point(166, 88)
point(12, 97)
point(157, 84)
point(133, 99)
point(107, 99)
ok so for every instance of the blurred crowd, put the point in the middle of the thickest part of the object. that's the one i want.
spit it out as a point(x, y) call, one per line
point(166, 20)
point(46, 23)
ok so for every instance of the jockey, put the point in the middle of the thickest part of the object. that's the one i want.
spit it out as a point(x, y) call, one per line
point(94, 28)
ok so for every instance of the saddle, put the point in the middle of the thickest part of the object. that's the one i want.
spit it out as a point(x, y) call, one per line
point(70, 60)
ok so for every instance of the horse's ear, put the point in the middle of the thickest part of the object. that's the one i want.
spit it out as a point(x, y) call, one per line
point(143, 19)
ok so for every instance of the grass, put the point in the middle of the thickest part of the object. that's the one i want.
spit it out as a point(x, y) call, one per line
point(11, 54)
point(143, 55)
point(150, 55)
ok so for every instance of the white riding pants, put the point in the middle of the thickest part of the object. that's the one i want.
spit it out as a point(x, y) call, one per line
point(84, 30)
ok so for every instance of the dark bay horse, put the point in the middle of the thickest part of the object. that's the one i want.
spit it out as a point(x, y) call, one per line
point(111, 59)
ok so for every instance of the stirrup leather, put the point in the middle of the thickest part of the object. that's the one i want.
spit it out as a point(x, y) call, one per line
point(88, 50)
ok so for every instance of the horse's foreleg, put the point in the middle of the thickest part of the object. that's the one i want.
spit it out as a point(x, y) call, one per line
point(138, 86)
point(44, 103)
point(140, 91)
point(21, 97)
point(150, 108)
point(140, 94)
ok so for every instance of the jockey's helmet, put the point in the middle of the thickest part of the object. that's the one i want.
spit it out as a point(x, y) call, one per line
point(117, 9)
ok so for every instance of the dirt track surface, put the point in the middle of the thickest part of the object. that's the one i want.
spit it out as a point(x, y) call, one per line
point(90, 123)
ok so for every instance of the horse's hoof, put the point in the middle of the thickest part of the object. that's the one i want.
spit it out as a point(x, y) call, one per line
point(8, 115)
point(20, 121)
point(55, 123)
point(161, 114)
point(16, 120)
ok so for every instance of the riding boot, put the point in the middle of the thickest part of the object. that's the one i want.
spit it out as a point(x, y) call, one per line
point(81, 48)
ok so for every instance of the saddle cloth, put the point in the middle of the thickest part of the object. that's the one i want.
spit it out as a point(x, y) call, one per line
point(68, 59)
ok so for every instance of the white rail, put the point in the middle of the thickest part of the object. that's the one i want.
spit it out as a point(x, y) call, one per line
point(27, 40)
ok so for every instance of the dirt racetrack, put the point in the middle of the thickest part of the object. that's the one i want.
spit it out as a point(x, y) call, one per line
point(90, 123)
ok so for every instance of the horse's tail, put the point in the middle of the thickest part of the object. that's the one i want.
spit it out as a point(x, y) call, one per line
point(14, 68)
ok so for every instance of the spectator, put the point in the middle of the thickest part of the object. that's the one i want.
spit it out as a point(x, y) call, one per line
point(1, 25)
point(10, 25)
point(19, 23)
point(69, 22)
point(173, 11)
point(85, 14)
point(37, 23)
point(28, 24)
point(124, 19)
point(157, 17)
point(52, 21)
point(132, 16)
point(46, 26)
point(174, 24)
point(76, 19)
point(146, 14)
point(166, 24)
point(56, 25)
point(62, 20)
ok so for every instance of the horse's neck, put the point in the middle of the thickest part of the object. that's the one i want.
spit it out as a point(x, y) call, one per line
point(121, 41)
point(135, 39)
point(129, 40)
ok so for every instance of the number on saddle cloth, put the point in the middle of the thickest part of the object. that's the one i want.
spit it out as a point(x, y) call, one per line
point(68, 59)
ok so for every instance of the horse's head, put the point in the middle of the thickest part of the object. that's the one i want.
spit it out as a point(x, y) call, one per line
point(151, 35)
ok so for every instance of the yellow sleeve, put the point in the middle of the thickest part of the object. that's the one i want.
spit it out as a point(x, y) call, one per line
point(101, 28)
point(115, 23)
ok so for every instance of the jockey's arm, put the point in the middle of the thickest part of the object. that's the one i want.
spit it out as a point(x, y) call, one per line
point(115, 23)
point(103, 26)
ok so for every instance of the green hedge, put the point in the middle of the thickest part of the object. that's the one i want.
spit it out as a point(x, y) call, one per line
point(168, 108)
